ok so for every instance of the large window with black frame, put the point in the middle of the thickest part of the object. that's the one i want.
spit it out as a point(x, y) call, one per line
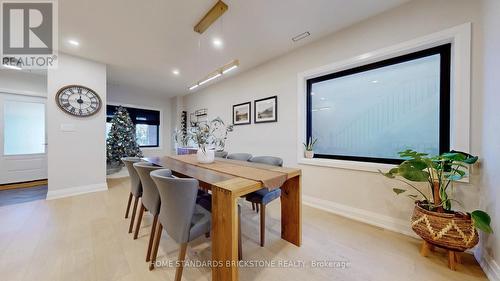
point(371, 112)
point(146, 121)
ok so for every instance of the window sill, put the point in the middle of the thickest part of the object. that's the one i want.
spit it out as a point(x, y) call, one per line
point(348, 165)
point(354, 165)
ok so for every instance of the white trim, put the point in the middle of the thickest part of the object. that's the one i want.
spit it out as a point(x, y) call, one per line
point(488, 264)
point(458, 36)
point(386, 222)
point(160, 131)
point(77, 190)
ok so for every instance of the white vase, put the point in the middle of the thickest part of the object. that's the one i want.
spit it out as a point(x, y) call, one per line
point(207, 156)
point(309, 154)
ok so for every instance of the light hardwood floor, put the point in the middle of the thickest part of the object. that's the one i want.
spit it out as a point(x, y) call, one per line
point(85, 238)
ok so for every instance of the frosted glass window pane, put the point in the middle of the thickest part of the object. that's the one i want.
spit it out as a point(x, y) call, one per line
point(24, 127)
point(379, 112)
point(147, 135)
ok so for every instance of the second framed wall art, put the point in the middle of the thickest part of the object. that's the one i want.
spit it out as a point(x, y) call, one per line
point(266, 110)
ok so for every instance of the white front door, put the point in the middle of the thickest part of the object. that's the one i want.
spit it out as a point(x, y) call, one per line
point(23, 140)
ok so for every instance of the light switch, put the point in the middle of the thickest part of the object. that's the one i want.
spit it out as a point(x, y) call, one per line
point(68, 127)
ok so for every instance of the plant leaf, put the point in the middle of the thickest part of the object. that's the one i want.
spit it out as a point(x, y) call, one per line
point(418, 164)
point(398, 190)
point(411, 173)
point(391, 174)
point(471, 160)
point(482, 221)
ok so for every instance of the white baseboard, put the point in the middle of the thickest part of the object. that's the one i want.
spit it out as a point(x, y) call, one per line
point(77, 190)
point(489, 265)
point(386, 222)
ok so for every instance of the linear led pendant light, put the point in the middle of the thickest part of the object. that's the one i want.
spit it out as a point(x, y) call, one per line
point(210, 17)
point(217, 73)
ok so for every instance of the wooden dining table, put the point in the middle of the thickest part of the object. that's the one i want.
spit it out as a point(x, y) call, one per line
point(229, 180)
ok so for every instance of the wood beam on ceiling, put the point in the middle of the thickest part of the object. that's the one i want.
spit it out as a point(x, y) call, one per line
point(215, 13)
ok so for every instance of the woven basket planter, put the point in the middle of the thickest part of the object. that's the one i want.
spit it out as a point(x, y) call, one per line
point(454, 232)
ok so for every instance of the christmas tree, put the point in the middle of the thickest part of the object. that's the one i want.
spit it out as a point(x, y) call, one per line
point(121, 140)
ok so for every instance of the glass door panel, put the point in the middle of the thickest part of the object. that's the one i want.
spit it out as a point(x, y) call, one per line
point(24, 128)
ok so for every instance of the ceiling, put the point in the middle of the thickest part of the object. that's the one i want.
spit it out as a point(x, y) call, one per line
point(142, 42)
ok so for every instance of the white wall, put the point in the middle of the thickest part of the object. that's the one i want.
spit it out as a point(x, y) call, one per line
point(490, 176)
point(361, 195)
point(133, 96)
point(76, 159)
point(22, 82)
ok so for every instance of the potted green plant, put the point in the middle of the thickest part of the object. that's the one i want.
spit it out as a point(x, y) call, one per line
point(434, 218)
point(309, 147)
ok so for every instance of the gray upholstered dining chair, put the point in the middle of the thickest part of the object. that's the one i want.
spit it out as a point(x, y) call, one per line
point(150, 200)
point(264, 196)
point(221, 154)
point(183, 219)
point(239, 156)
point(135, 187)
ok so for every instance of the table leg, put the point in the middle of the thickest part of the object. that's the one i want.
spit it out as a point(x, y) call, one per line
point(225, 235)
point(291, 211)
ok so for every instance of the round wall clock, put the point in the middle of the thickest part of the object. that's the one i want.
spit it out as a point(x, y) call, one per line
point(78, 101)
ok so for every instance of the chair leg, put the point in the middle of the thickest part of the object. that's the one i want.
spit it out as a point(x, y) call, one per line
point(253, 206)
point(262, 225)
point(257, 207)
point(151, 238)
point(128, 204)
point(136, 200)
point(139, 220)
point(240, 248)
point(156, 246)
point(182, 257)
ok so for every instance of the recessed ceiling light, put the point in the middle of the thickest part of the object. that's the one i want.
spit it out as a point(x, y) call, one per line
point(322, 99)
point(175, 72)
point(374, 81)
point(217, 42)
point(312, 93)
point(74, 42)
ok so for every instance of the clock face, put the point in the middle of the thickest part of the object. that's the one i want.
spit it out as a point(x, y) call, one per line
point(78, 100)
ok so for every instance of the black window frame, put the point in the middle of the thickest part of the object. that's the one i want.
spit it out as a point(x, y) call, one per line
point(444, 98)
point(152, 118)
